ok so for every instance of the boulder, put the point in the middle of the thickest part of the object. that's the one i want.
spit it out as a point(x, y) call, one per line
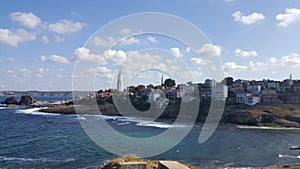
point(26, 100)
point(10, 100)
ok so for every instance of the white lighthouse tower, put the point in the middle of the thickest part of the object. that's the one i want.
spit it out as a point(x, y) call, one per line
point(120, 82)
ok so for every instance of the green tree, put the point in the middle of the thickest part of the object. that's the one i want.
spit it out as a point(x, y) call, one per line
point(169, 82)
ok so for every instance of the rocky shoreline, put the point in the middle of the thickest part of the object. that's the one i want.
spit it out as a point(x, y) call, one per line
point(271, 115)
point(131, 160)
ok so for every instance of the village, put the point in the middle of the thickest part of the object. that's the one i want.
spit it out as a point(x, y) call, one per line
point(248, 92)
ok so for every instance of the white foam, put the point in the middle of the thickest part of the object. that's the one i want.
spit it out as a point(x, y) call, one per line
point(80, 117)
point(267, 128)
point(25, 159)
point(124, 123)
point(288, 156)
point(158, 124)
point(34, 111)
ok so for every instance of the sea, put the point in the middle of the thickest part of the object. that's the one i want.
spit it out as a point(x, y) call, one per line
point(32, 139)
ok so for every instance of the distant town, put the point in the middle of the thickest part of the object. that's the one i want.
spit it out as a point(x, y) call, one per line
point(248, 92)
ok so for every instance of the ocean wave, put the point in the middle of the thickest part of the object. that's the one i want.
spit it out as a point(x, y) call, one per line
point(158, 124)
point(124, 123)
point(34, 111)
point(26, 159)
point(288, 156)
point(266, 128)
point(3, 158)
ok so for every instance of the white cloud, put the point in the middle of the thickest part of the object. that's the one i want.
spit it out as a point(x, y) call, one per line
point(187, 49)
point(197, 61)
point(232, 66)
point(8, 59)
point(55, 59)
point(118, 56)
point(66, 26)
point(272, 60)
point(84, 55)
point(291, 60)
point(176, 52)
point(25, 19)
point(210, 50)
point(3, 86)
point(58, 38)
point(152, 39)
point(20, 72)
point(249, 19)
point(257, 66)
point(39, 72)
point(129, 41)
point(14, 38)
point(245, 54)
point(110, 41)
point(125, 31)
point(98, 41)
point(290, 16)
point(45, 39)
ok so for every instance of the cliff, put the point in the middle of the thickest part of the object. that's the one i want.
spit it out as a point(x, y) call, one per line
point(272, 115)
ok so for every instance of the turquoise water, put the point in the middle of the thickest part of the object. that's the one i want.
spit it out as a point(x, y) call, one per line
point(30, 139)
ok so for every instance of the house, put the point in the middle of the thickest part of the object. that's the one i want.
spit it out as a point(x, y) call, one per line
point(172, 94)
point(254, 89)
point(210, 82)
point(205, 92)
point(238, 89)
point(186, 89)
point(269, 95)
point(219, 92)
point(247, 98)
point(272, 84)
point(104, 94)
point(296, 88)
point(153, 96)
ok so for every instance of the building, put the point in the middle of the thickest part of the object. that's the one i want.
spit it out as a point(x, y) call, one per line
point(273, 84)
point(254, 89)
point(153, 96)
point(219, 92)
point(247, 98)
point(238, 89)
point(120, 82)
point(172, 94)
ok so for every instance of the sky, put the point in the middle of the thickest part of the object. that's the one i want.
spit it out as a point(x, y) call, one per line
point(50, 45)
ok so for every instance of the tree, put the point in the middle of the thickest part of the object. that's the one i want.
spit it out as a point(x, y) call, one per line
point(169, 82)
point(228, 81)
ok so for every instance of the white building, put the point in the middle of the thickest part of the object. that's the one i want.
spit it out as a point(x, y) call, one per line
point(247, 98)
point(254, 89)
point(186, 89)
point(153, 96)
point(219, 92)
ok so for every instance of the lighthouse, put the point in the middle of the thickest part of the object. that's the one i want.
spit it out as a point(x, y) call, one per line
point(120, 82)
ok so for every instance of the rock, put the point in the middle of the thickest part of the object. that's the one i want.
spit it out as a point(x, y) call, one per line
point(170, 165)
point(10, 100)
point(26, 100)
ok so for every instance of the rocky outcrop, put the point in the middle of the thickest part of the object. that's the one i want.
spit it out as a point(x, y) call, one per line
point(26, 100)
point(10, 100)
point(273, 115)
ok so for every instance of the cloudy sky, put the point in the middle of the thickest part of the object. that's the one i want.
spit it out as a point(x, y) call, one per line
point(41, 41)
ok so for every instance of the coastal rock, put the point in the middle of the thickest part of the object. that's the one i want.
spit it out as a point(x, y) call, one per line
point(26, 100)
point(10, 100)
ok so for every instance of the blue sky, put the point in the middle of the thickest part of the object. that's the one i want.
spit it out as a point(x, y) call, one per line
point(39, 39)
